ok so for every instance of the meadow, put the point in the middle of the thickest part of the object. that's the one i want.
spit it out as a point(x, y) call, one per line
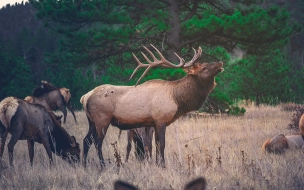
point(226, 150)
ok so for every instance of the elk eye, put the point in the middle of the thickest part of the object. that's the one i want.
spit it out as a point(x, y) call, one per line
point(204, 68)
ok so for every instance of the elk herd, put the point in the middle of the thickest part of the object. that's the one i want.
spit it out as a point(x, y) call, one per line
point(142, 109)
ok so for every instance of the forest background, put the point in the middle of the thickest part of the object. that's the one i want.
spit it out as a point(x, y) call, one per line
point(80, 44)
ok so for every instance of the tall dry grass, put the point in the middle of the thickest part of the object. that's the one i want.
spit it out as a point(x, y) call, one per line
point(224, 150)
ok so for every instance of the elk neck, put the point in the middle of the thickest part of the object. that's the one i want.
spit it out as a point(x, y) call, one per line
point(59, 137)
point(190, 93)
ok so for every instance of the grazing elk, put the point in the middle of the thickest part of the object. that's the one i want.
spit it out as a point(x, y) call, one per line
point(142, 138)
point(155, 103)
point(34, 123)
point(279, 143)
point(55, 98)
point(197, 184)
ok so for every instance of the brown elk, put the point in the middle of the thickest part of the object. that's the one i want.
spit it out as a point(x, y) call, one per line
point(55, 98)
point(197, 184)
point(34, 123)
point(155, 103)
point(279, 143)
point(142, 138)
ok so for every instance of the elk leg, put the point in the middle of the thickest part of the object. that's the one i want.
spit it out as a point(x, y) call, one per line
point(3, 135)
point(45, 142)
point(102, 125)
point(10, 146)
point(98, 144)
point(71, 110)
point(149, 136)
point(129, 145)
point(87, 141)
point(160, 132)
point(62, 108)
point(30, 145)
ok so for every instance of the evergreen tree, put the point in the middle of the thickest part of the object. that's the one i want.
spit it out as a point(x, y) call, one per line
point(260, 78)
point(97, 30)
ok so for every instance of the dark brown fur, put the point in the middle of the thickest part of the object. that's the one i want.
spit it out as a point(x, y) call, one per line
point(142, 139)
point(53, 98)
point(34, 123)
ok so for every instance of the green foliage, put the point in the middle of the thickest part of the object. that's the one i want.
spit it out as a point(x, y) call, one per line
point(263, 78)
point(79, 82)
point(18, 77)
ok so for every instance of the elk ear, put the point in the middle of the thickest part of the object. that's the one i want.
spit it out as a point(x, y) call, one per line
point(121, 185)
point(199, 184)
point(73, 141)
point(192, 70)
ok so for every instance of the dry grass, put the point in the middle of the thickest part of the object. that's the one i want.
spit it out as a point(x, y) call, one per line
point(225, 150)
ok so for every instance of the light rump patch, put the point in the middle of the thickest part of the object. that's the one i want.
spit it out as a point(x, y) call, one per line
point(8, 108)
point(66, 94)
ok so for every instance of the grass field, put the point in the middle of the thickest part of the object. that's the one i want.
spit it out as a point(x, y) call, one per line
point(224, 150)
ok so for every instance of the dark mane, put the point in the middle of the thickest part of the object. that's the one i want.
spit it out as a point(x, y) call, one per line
point(60, 137)
point(44, 88)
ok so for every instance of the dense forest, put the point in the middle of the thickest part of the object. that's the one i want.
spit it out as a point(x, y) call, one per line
point(81, 44)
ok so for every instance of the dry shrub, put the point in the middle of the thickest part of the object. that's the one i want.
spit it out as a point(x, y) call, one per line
point(295, 118)
point(290, 106)
point(192, 151)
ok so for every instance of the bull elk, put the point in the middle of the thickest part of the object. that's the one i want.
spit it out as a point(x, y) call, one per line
point(155, 103)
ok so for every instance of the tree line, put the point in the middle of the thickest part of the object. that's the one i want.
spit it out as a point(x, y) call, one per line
point(80, 44)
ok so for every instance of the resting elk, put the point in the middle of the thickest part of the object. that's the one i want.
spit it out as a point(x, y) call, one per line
point(34, 123)
point(56, 98)
point(280, 143)
point(155, 103)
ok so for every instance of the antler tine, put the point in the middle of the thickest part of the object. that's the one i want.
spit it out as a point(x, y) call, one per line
point(139, 65)
point(197, 54)
point(149, 67)
point(166, 62)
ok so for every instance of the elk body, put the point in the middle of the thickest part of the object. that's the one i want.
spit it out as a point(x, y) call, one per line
point(279, 143)
point(55, 98)
point(155, 103)
point(142, 138)
point(34, 123)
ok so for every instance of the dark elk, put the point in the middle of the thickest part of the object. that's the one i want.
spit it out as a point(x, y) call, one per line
point(155, 103)
point(56, 98)
point(197, 184)
point(142, 139)
point(34, 100)
point(34, 123)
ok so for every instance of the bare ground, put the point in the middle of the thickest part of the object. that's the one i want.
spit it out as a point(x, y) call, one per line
point(224, 150)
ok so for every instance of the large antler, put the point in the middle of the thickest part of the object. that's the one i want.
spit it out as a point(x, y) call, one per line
point(163, 61)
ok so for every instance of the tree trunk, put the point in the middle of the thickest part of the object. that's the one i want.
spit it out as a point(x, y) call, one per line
point(173, 37)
